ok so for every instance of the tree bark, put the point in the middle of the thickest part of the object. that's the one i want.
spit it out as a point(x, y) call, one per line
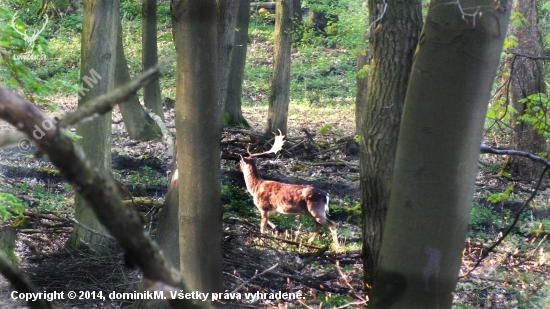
point(167, 236)
point(228, 11)
point(99, 39)
point(233, 115)
point(437, 154)
point(140, 125)
point(392, 43)
point(526, 78)
point(198, 125)
point(280, 84)
point(149, 57)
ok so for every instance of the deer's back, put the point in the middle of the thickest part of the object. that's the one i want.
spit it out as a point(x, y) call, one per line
point(289, 199)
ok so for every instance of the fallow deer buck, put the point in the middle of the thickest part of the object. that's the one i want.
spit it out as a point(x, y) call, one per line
point(288, 199)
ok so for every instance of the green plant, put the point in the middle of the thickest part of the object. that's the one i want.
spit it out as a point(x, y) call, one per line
point(502, 196)
point(239, 200)
point(330, 300)
point(10, 205)
point(482, 218)
point(536, 106)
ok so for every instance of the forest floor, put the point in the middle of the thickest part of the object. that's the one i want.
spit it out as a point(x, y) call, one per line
point(515, 275)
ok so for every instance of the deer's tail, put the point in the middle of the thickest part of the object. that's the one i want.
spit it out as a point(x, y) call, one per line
point(326, 205)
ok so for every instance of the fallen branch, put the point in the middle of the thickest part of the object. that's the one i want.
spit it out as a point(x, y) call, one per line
point(99, 190)
point(254, 277)
point(20, 282)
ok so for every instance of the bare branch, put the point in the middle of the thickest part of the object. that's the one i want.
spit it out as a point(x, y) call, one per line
point(99, 191)
point(20, 282)
point(512, 152)
point(105, 103)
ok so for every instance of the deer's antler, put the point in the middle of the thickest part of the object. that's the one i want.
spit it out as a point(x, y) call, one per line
point(277, 146)
point(24, 35)
point(35, 35)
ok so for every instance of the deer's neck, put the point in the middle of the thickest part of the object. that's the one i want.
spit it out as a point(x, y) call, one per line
point(252, 178)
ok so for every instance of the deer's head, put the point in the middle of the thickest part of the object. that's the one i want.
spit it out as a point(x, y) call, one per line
point(29, 39)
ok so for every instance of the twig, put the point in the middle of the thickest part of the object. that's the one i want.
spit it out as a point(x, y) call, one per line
point(21, 283)
point(90, 229)
point(354, 293)
point(254, 277)
point(512, 152)
point(516, 219)
point(291, 242)
point(313, 257)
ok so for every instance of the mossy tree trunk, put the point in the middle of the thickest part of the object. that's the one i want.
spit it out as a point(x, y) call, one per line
point(149, 57)
point(97, 71)
point(279, 98)
point(232, 115)
point(392, 43)
point(198, 126)
point(526, 77)
point(437, 154)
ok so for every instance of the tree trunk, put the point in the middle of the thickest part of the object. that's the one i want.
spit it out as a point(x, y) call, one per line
point(149, 57)
point(437, 154)
point(167, 236)
point(362, 80)
point(392, 46)
point(280, 84)
point(198, 125)
point(233, 115)
point(139, 125)
point(526, 78)
point(99, 39)
point(228, 11)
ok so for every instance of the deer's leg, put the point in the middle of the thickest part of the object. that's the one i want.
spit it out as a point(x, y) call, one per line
point(317, 229)
point(321, 220)
point(265, 221)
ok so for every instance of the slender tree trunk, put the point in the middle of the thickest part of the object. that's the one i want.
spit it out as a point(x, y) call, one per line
point(233, 115)
point(392, 44)
point(149, 57)
point(437, 153)
point(226, 38)
point(198, 125)
point(167, 236)
point(139, 125)
point(526, 78)
point(280, 84)
point(99, 38)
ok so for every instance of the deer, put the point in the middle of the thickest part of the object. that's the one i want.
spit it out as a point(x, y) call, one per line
point(289, 199)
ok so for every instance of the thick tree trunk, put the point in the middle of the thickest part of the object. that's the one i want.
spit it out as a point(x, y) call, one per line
point(526, 78)
point(280, 84)
point(198, 125)
point(149, 57)
point(392, 45)
point(139, 125)
point(233, 115)
point(437, 153)
point(99, 39)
